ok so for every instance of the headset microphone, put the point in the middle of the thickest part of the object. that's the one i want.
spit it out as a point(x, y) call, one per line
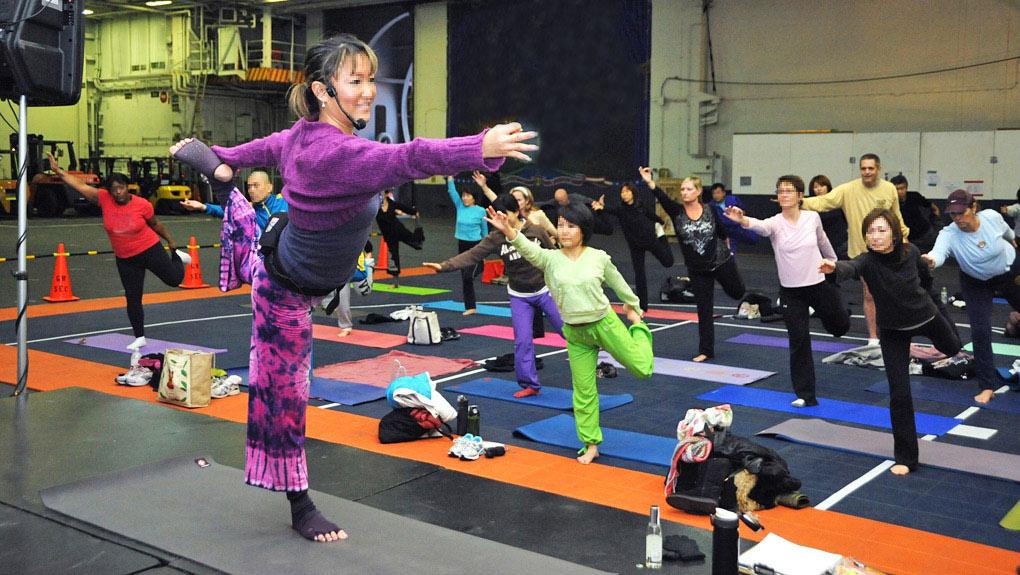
point(358, 124)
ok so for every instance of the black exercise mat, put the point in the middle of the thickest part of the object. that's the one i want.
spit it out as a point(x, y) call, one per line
point(208, 515)
point(34, 544)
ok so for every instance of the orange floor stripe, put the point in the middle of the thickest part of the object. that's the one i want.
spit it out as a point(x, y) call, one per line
point(892, 548)
point(99, 304)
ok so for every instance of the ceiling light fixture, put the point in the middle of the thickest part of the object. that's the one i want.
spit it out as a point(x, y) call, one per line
point(155, 3)
point(274, 1)
point(87, 12)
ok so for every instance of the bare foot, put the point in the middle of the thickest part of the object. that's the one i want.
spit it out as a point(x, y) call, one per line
point(331, 536)
point(590, 453)
point(899, 470)
point(471, 311)
point(344, 332)
point(985, 396)
point(700, 358)
point(526, 392)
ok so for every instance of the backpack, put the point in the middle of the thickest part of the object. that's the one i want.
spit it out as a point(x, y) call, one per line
point(424, 328)
point(420, 411)
point(677, 289)
point(409, 424)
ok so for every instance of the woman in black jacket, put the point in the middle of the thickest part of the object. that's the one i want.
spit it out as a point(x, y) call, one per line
point(904, 310)
point(638, 221)
point(394, 232)
point(706, 251)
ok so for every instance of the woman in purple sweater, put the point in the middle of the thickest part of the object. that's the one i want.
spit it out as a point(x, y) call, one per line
point(332, 181)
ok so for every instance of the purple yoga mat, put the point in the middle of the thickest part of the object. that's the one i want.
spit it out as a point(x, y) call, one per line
point(703, 370)
point(772, 341)
point(119, 342)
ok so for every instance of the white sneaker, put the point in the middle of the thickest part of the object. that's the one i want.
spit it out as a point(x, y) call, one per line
point(798, 402)
point(226, 386)
point(873, 342)
point(136, 377)
point(138, 343)
point(185, 257)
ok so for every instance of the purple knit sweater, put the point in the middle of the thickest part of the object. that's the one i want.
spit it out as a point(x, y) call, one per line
point(328, 174)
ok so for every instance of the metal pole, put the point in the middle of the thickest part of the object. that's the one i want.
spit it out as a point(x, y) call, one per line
point(21, 275)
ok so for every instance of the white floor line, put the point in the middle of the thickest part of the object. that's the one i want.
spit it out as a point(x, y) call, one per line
point(878, 470)
point(148, 325)
point(854, 485)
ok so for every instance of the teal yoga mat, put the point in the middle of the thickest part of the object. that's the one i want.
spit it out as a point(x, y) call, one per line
point(451, 305)
point(552, 397)
point(560, 431)
point(1009, 349)
point(830, 409)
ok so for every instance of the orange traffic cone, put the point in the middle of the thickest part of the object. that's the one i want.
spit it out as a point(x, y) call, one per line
point(383, 261)
point(60, 289)
point(193, 273)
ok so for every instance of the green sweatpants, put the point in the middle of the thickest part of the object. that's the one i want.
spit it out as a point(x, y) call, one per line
point(632, 348)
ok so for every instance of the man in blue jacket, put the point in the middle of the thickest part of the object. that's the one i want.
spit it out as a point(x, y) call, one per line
point(260, 192)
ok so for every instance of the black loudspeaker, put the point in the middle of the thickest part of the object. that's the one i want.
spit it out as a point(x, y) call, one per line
point(41, 50)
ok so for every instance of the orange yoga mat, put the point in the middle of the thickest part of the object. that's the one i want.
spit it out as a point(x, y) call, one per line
point(358, 337)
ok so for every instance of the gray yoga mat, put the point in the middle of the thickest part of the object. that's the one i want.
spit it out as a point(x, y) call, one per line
point(703, 371)
point(208, 515)
point(856, 440)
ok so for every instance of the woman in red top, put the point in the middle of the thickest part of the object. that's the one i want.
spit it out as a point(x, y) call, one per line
point(134, 234)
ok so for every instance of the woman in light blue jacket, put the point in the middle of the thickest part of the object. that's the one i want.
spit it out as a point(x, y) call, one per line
point(470, 230)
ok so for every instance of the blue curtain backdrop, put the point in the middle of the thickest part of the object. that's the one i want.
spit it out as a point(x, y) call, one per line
point(575, 70)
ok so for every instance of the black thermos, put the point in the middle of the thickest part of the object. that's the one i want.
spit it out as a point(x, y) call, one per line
point(724, 542)
point(462, 414)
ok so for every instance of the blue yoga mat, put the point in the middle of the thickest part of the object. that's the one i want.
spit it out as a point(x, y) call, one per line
point(828, 409)
point(560, 431)
point(954, 392)
point(554, 397)
point(341, 392)
point(1005, 374)
point(450, 305)
point(772, 341)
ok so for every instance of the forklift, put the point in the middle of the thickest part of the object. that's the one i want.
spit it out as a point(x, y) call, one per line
point(168, 187)
point(47, 194)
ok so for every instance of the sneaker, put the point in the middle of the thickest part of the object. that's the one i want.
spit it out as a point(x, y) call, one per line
point(459, 444)
point(526, 392)
point(473, 449)
point(803, 403)
point(135, 377)
point(185, 257)
point(138, 343)
point(873, 342)
point(226, 386)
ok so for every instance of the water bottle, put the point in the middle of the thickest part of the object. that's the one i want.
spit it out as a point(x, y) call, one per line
point(473, 421)
point(724, 542)
point(462, 415)
point(944, 295)
point(653, 540)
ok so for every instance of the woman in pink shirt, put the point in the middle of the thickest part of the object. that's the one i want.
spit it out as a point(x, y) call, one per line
point(798, 240)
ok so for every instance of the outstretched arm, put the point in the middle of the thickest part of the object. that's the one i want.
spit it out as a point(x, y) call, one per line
point(91, 194)
point(482, 182)
point(161, 231)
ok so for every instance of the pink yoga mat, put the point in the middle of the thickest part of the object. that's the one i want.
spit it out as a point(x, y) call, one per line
point(358, 337)
point(653, 313)
point(379, 370)
point(507, 332)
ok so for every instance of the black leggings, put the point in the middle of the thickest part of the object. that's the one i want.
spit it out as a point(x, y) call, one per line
point(827, 299)
point(396, 235)
point(662, 252)
point(468, 275)
point(703, 286)
point(896, 356)
point(169, 269)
